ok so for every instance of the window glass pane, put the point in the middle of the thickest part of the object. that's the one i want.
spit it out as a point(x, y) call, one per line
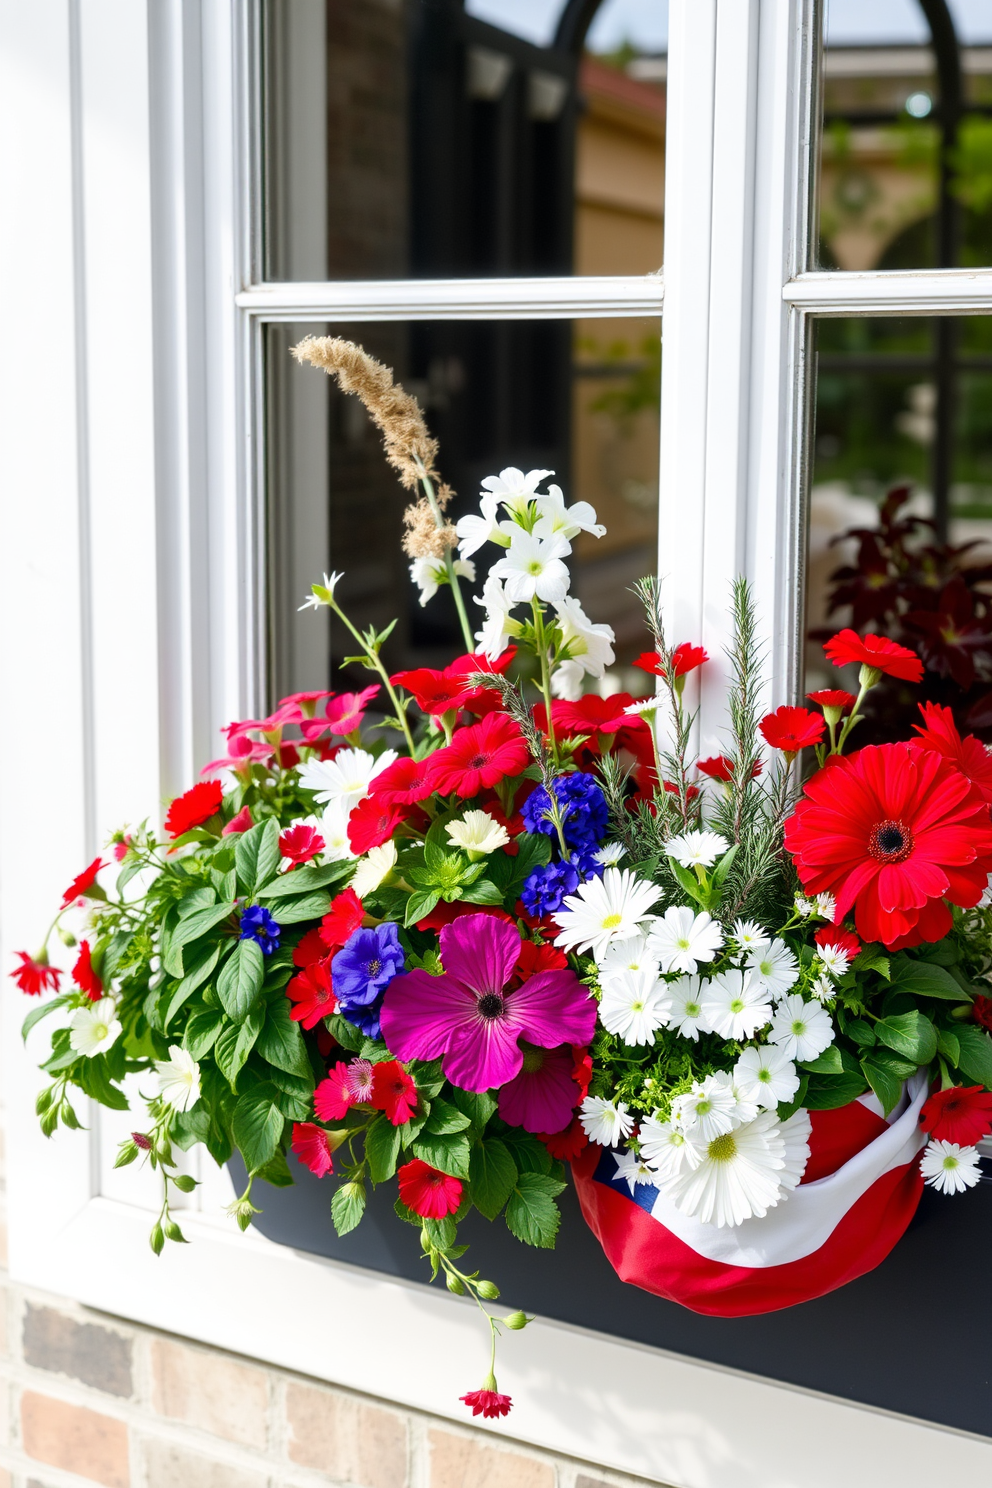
point(424, 138)
point(905, 404)
point(905, 178)
point(580, 399)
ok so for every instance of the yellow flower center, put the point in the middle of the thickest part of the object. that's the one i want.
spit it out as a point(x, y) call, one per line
point(724, 1148)
point(612, 921)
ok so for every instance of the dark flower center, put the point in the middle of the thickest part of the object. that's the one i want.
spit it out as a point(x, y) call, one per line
point(478, 762)
point(492, 1005)
point(373, 968)
point(890, 842)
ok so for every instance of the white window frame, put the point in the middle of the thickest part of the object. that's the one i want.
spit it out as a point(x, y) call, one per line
point(131, 466)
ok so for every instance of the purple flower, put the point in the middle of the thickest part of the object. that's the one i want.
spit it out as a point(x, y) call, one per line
point(542, 1097)
point(258, 925)
point(470, 1019)
point(545, 888)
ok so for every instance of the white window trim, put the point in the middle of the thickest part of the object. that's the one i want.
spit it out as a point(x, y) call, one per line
point(136, 482)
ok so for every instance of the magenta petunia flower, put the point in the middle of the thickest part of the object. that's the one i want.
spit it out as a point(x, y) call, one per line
point(543, 1096)
point(469, 1017)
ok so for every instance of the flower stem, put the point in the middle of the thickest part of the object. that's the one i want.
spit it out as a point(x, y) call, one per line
point(541, 645)
point(449, 562)
point(376, 661)
point(853, 718)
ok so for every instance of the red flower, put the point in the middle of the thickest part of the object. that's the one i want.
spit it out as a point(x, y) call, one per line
point(312, 993)
point(35, 977)
point(300, 843)
point(242, 753)
point(582, 1069)
point(981, 1011)
point(240, 823)
point(334, 1097)
point(443, 913)
point(311, 948)
point(719, 767)
point(192, 809)
point(442, 692)
point(344, 714)
point(312, 1146)
point(479, 757)
point(792, 729)
point(893, 832)
point(373, 822)
point(122, 847)
point(685, 659)
point(593, 715)
point(961, 1114)
point(845, 941)
point(403, 782)
point(84, 976)
point(82, 882)
point(833, 697)
point(305, 701)
point(427, 1192)
point(566, 1144)
point(394, 1091)
point(534, 958)
point(342, 919)
point(939, 733)
point(847, 647)
point(488, 1403)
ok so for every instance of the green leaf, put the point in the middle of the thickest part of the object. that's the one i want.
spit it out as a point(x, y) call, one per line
point(785, 1109)
point(202, 1030)
point(949, 1045)
point(256, 856)
point(449, 1154)
point(861, 1032)
point(690, 883)
point(442, 1232)
point(492, 1174)
point(276, 1172)
point(310, 907)
point(909, 1034)
point(829, 1092)
point(235, 1043)
point(382, 1148)
point(192, 926)
point(483, 892)
point(345, 1033)
point(43, 1009)
point(201, 898)
point(93, 1077)
point(200, 965)
point(240, 980)
point(281, 1042)
point(723, 868)
point(445, 1118)
point(304, 880)
point(478, 1105)
point(874, 958)
point(258, 1126)
point(827, 1063)
point(347, 1207)
point(885, 1074)
point(976, 1054)
point(419, 905)
point(530, 1155)
point(531, 1212)
point(927, 980)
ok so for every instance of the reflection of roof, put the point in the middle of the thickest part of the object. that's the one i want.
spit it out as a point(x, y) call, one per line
point(897, 61)
point(599, 82)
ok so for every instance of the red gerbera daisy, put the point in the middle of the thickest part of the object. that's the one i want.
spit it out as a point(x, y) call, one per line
point(875, 652)
point(892, 832)
point(311, 948)
point(488, 1403)
point(83, 883)
point(342, 919)
point(194, 807)
point(566, 1144)
point(834, 698)
point(792, 729)
point(444, 691)
point(34, 975)
point(300, 843)
point(479, 757)
point(312, 993)
point(403, 782)
point(394, 1091)
point(312, 1146)
point(939, 733)
point(334, 1097)
point(685, 659)
point(84, 976)
point(845, 941)
point(372, 822)
point(961, 1114)
point(427, 1192)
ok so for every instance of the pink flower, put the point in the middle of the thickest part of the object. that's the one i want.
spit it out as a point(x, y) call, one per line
point(471, 1018)
point(240, 823)
point(300, 843)
point(488, 1403)
point(242, 753)
point(544, 1095)
point(343, 715)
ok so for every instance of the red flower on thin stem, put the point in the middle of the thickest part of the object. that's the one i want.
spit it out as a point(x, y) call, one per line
point(488, 1403)
point(962, 1114)
point(300, 843)
point(685, 659)
point(835, 698)
point(479, 757)
point(312, 1146)
point(394, 1091)
point(792, 729)
point(84, 976)
point(82, 883)
point(446, 691)
point(429, 1193)
point(847, 648)
point(194, 807)
point(35, 975)
point(334, 1097)
point(939, 733)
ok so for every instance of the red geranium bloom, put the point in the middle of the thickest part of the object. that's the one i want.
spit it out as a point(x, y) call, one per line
point(893, 832)
point(593, 715)
point(394, 1091)
point(427, 1192)
point(35, 977)
point(373, 822)
point(84, 976)
point(443, 913)
point(313, 1147)
point(444, 691)
point(334, 1097)
point(961, 1114)
point(342, 919)
point(300, 843)
point(534, 958)
point(833, 697)
point(82, 882)
point(194, 807)
point(565, 1144)
point(311, 948)
point(847, 647)
point(582, 1069)
point(792, 729)
point(939, 733)
point(845, 941)
point(479, 757)
point(981, 1011)
point(240, 823)
point(685, 659)
point(242, 753)
point(488, 1403)
point(312, 993)
point(403, 782)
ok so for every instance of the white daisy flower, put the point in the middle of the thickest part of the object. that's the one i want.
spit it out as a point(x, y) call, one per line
point(645, 708)
point(664, 1146)
point(533, 568)
point(178, 1079)
point(766, 1075)
point(515, 489)
point(474, 532)
point(823, 988)
point(346, 778)
point(498, 628)
point(795, 1133)
point(605, 1123)
point(697, 849)
point(681, 939)
point(735, 1005)
point(322, 594)
point(589, 644)
point(775, 968)
point(749, 935)
point(554, 517)
point(804, 907)
point(708, 1109)
point(627, 955)
point(826, 906)
point(635, 1004)
point(802, 1030)
point(609, 854)
point(687, 1017)
point(950, 1168)
point(93, 1029)
point(633, 1170)
point(334, 830)
point(477, 832)
point(833, 960)
point(738, 1176)
point(376, 865)
point(604, 910)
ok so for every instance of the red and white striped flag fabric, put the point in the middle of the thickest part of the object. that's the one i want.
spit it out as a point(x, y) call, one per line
point(860, 1190)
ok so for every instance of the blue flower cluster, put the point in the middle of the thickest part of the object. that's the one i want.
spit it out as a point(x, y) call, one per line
point(258, 925)
point(362, 970)
point(584, 815)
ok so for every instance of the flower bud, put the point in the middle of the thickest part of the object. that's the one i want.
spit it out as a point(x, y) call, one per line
point(456, 1285)
point(488, 1289)
point(173, 1232)
point(66, 937)
point(157, 1239)
point(184, 1182)
point(126, 1153)
point(517, 1320)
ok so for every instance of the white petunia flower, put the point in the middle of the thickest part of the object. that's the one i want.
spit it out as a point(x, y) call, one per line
point(347, 778)
point(627, 955)
point(589, 644)
point(766, 1075)
point(686, 1016)
point(749, 935)
point(609, 854)
point(553, 516)
point(178, 1079)
point(697, 849)
point(604, 910)
point(681, 939)
point(497, 628)
point(477, 832)
point(568, 681)
point(833, 960)
point(334, 830)
point(376, 865)
point(826, 906)
point(738, 1176)
point(802, 1030)
point(633, 1170)
point(735, 1005)
point(950, 1168)
point(775, 968)
point(430, 573)
point(664, 1146)
point(533, 568)
point(514, 488)
point(708, 1109)
point(605, 1123)
point(473, 532)
point(322, 594)
point(635, 1005)
point(93, 1029)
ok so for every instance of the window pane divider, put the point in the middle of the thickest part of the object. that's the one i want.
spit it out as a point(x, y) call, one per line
point(459, 299)
point(892, 292)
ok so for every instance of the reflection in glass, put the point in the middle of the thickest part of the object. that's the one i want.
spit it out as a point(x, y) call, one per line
point(424, 138)
point(580, 399)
